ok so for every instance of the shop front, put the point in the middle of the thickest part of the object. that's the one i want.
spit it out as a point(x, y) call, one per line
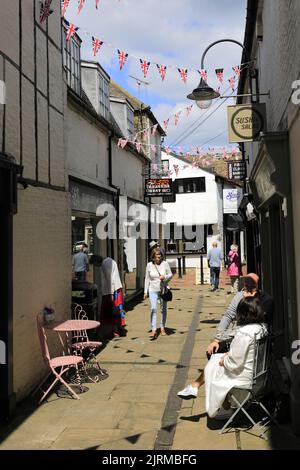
point(270, 182)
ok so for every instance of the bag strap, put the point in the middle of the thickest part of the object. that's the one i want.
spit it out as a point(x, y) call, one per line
point(157, 269)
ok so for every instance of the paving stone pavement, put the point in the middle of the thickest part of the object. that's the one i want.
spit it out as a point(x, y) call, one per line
point(136, 407)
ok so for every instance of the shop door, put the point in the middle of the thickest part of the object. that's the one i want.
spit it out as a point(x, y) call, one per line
point(277, 279)
point(7, 199)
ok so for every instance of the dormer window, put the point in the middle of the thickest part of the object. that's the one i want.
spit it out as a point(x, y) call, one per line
point(71, 61)
point(130, 122)
point(104, 108)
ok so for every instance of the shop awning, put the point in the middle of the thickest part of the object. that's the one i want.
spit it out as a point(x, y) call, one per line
point(234, 223)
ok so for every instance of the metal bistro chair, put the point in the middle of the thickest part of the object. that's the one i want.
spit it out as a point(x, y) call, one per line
point(257, 390)
point(64, 363)
point(81, 343)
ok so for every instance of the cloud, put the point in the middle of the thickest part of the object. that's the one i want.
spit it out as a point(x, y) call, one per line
point(169, 32)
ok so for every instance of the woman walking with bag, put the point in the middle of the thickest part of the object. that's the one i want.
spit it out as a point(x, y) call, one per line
point(158, 272)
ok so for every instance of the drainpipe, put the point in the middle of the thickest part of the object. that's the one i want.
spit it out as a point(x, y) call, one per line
point(117, 204)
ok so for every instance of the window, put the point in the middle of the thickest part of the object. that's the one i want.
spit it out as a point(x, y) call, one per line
point(71, 61)
point(104, 107)
point(130, 122)
point(190, 185)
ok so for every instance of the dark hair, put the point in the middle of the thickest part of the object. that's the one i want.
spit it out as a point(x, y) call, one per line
point(153, 253)
point(249, 311)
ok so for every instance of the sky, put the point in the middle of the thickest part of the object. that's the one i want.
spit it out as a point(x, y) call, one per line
point(174, 33)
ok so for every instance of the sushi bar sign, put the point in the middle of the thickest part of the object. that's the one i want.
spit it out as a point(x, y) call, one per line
point(246, 122)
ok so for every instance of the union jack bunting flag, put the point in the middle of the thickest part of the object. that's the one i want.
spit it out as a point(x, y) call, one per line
point(122, 58)
point(71, 30)
point(168, 150)
point(237, 70)
point(166, 122)
point(144, 66)
point(145, 132)
point(80, 6)
point(203, 74)
point(97, 3)
point(122, 142)
point(138, 146)
point(45, 10)
point(64, 6)
point(154, 129)
point(176, 168)
point(96, 44)
point(176, 118)
point(189, 110)
point(183, 74)
point(162, 70)
point(232, 83)
point(219, 73)
point(153, 148)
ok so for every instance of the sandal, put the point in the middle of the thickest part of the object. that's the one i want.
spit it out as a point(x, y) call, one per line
point(163, 332)
point(153, 334)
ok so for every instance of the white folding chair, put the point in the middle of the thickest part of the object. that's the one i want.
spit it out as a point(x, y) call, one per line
point(241, 399)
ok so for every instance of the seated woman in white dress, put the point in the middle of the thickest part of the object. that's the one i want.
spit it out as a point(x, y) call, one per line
point(235, 368)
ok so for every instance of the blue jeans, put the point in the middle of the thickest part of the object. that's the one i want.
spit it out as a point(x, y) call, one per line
point(214, 277)
point(154, 296)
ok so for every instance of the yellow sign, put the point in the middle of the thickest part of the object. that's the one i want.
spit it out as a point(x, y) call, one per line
point(246, 122)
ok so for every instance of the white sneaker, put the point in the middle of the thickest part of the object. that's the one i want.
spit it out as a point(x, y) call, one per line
point(188, 393)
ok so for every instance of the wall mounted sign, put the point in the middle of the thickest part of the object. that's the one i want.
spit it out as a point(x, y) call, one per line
point(236, 170)
point(231, 200)
point(246, 122)
point(158, 187)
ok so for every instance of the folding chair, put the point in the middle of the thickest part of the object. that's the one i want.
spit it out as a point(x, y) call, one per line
point(81, 343)
point(62, 362)
point(256, 392)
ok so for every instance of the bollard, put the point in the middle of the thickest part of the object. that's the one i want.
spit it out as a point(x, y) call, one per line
point(179, 267)
point(183, 266)
point(201, 270)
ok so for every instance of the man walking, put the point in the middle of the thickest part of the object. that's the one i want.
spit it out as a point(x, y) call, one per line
point(80, 263)
point(214, 259)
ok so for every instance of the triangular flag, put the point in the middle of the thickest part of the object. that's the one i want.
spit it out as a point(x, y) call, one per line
point(122, 58)
point(166, 122)
point(138, 146)
point(153, 148)
point(96, 44)
point(189, 110)
point(45, 11)
point(237, 70)
point(71, 30)
point(64, 6)
point(177, 118)
point(232, 83)
point(203, 74)
point(219, 73)
point(168, 150)
point(176, 168)
point(183, 74)
point(162, 71)
point(80, 6)
point(97, 4)
point(144, 66)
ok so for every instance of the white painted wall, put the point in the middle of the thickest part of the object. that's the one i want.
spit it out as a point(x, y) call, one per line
point(87, 148)
point(192, 208)
point(127, 170)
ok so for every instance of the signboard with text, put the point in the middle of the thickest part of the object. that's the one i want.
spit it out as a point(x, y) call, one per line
point(246, 122)
point(236, 170)
point(158, 187)
point(231, 200)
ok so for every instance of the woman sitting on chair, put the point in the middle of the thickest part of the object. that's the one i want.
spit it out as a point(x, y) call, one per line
point(235, 368)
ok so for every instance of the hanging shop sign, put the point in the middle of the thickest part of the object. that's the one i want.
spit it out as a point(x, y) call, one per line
point(158, 187)
point(236, 170)
point(231, 200)
point(246, 122)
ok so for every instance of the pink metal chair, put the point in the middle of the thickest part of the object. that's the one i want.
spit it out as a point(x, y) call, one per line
point(81, 343)
point(62, 362)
